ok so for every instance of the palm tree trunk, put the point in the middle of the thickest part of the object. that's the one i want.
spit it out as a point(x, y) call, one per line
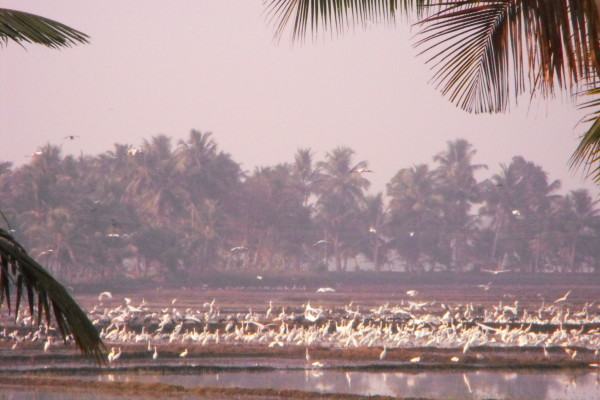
point(496, 238)
point(376, 262)
point(572, 260)
point(336, 254)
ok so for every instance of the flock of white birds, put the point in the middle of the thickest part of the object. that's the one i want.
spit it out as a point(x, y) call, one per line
point(410, 324)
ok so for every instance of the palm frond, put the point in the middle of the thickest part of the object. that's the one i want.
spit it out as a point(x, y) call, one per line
point(21, 27)
point(486, 51)
point(337, 15)
point(472, 43)
point(588, 151)
point(587, 154)
point(19, 270)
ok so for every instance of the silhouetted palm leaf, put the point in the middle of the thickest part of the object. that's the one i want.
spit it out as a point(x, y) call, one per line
point(486, 48)
point(330, 14)
point(493, 50)
point(24, 27)
point(19, 270)
point(472, 55)
point(588, 151)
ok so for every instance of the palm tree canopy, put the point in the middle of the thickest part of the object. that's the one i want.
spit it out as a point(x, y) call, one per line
point(22, 27)
point(484, 53)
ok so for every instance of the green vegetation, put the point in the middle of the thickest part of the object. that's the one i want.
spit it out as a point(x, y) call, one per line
point(159, 213)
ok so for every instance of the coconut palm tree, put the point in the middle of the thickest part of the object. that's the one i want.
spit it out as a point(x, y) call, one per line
point(460, 190)
point(16, 266)
point(375, 218)
point(518, 200)
point(341, 198)
point(576, 215)
point(416, 216)
point(484, 52)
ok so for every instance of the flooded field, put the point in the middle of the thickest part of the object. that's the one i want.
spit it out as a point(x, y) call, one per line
point(409, 342)
point(534, 385)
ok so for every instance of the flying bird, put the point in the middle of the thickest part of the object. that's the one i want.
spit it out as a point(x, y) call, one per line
point(562, 298)
point(239, 249)
point(325, 290)
point(108, 295)
point(361, 170)
point(71, 137)
point(500, 271)
point(133, 151)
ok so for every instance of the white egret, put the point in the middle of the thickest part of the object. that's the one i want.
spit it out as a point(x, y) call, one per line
point(113, 356)
point(325, 290)
point(383, 353)
point(48, 344)
point(561, 299)
point(102, 295)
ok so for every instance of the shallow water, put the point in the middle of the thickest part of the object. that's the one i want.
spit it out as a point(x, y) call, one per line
point(436, 385)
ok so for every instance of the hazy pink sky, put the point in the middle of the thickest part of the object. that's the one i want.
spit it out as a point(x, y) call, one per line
point(165, 67)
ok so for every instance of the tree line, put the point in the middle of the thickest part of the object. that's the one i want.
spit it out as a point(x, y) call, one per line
point(162, 209)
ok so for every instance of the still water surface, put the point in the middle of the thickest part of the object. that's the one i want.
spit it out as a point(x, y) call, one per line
point(435, 385)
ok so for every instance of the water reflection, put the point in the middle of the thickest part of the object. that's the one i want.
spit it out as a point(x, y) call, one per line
point(437, 385)
point(546, 385)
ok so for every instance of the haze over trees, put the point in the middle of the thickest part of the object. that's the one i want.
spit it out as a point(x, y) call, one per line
point(166, 209)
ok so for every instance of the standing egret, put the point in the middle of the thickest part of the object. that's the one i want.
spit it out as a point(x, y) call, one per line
point(383, 353)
